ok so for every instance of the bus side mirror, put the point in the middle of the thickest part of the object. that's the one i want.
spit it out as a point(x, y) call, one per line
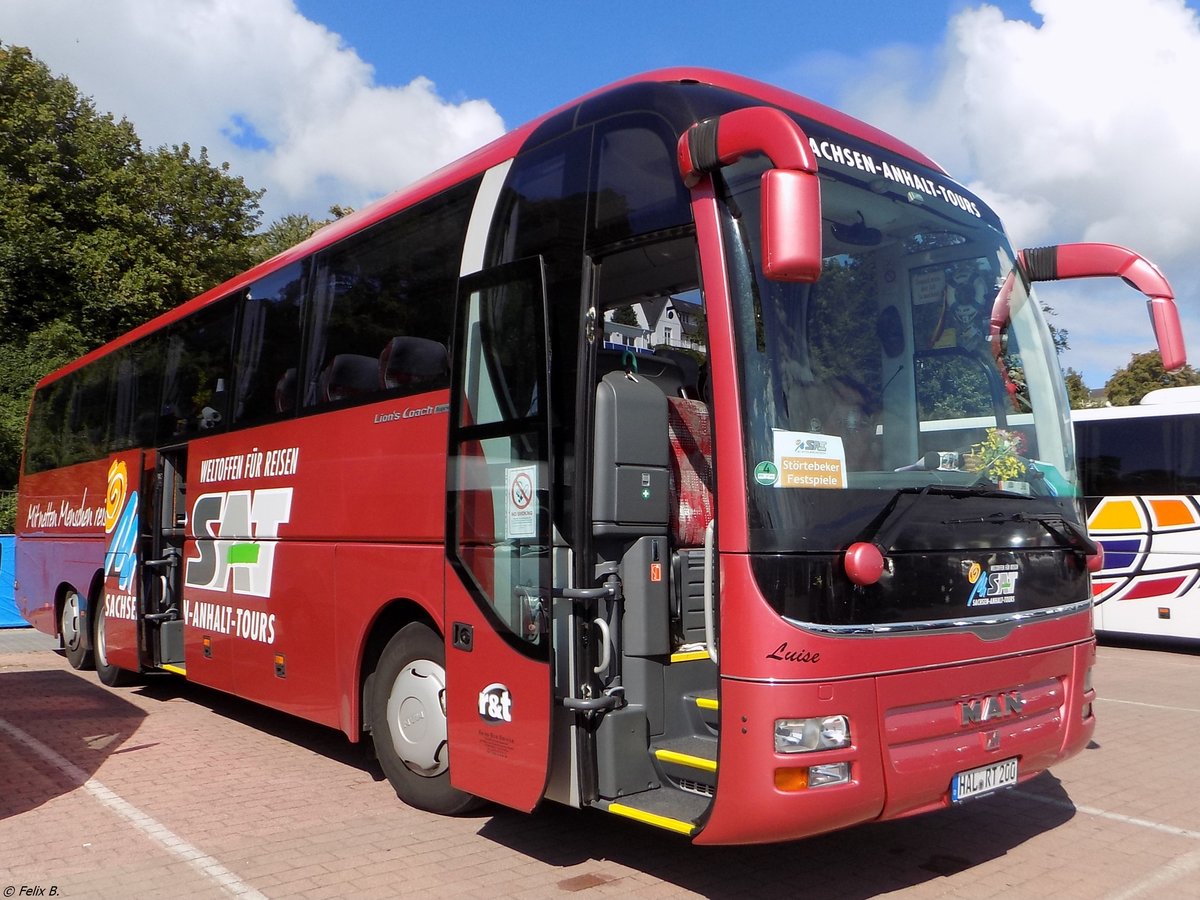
point(791, 191)
point(791, 225)
point(1099, 260)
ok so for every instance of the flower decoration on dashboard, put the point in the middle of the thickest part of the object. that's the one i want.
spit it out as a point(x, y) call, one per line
point(998, 454)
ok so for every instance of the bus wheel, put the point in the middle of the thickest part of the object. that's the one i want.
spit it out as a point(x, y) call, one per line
point(70, 626)
point(408, 722)
point(109, 674)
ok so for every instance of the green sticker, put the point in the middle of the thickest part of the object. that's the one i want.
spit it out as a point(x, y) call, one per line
point(766, 474)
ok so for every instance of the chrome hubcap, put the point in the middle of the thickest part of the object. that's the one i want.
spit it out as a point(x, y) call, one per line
point(416, 717)
point(70, 621)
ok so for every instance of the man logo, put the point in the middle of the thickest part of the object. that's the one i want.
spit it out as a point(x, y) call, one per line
point(495, 704)
point(997, 706)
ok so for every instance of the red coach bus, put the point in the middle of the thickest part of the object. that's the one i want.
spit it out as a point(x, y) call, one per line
point(605, 466)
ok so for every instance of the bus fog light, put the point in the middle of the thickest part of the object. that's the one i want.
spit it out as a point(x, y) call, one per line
point(805, 735)
point(831, 773)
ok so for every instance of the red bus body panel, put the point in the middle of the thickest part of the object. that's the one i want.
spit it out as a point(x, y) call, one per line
point(60, 538)
point(124, 506)
point(903, 696)
point(502, 757)
point(351, 543)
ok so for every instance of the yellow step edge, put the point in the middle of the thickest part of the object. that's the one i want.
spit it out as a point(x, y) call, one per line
point(685, 759)
point(689, 656)
point(640, 815)
point(708, 703)
point(177, 670)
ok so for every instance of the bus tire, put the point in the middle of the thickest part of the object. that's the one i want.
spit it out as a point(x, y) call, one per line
point(109, 674)
point(71, 627)
point(408, 722)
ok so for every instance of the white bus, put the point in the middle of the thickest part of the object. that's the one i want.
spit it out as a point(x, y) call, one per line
point(1139, 468)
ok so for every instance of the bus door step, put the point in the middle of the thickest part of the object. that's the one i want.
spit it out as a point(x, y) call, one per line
point(665, 807)
point(703, 710)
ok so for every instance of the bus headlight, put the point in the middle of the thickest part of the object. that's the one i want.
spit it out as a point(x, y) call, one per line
point(806, 735)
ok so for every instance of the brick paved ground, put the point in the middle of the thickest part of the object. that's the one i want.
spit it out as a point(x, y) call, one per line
point(169, 790)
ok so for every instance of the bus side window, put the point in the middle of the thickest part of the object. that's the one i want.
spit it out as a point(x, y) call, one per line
point(382, 304)
point(1127, 457)
point(197, 373)
point(269, 347)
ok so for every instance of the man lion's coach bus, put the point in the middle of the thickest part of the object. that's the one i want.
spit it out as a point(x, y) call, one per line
point(593, 468)
point(1139, 469)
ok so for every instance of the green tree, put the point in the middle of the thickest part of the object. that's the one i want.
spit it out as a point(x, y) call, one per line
point(1060, 336)
point(1143, 374)
point(1078, 393)
point(97, 235)
point(285, 233)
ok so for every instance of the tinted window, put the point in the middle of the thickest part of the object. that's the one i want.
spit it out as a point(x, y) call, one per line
point(139, 376)
point(44, 437)
point(382, 305)
point(542, 212)
point(1126, 456)
point(89, 413)
point(638, 188)
point(197, 373)
point(268, 355)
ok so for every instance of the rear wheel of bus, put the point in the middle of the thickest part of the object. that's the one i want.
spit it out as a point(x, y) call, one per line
point(408, 719)
point(70, 626)
point(109, 674)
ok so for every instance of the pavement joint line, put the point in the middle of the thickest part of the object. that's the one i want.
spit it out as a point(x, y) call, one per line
point(1112, 816)
point(206, 865)
point(1166, 874)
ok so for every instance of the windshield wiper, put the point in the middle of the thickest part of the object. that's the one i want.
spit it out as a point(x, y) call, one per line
point(876, 526)
point(1064, 531)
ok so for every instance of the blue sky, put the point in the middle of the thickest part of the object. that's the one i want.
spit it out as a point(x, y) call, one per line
point(1072, 118)
point(529, 57)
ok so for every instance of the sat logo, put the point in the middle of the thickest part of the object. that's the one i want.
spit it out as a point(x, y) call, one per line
point(495, 703)
point(236, 535)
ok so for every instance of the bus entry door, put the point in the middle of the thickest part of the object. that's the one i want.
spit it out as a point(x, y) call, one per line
point(119, 618)
point(498, 575)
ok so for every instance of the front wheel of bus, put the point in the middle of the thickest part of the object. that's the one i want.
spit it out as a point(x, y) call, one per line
point(408, 722)
point(70, 626)
point(109, 674)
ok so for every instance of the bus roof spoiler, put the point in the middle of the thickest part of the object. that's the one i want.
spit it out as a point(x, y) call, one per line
point(791, 192)
point(1099, 260)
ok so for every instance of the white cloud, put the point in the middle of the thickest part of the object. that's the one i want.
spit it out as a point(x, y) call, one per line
point(1078, 126)
point(276, 95)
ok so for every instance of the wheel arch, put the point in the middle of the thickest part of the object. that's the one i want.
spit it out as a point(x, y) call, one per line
point(391, 618)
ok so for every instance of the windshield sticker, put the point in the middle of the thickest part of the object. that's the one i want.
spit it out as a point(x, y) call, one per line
point(990, 587)
point(809, 460)
point(765, 473)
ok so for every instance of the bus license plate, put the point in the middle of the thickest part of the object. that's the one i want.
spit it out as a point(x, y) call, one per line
point(984, 780)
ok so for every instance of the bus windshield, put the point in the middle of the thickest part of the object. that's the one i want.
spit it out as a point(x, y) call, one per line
point(917, 363)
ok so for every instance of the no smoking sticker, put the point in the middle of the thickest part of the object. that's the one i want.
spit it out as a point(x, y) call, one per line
point(520, 520)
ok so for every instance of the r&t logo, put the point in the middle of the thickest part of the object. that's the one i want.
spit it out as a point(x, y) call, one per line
point(236, 534)
point(495, 704)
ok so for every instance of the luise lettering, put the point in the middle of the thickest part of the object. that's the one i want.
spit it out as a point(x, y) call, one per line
point(784, 654)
